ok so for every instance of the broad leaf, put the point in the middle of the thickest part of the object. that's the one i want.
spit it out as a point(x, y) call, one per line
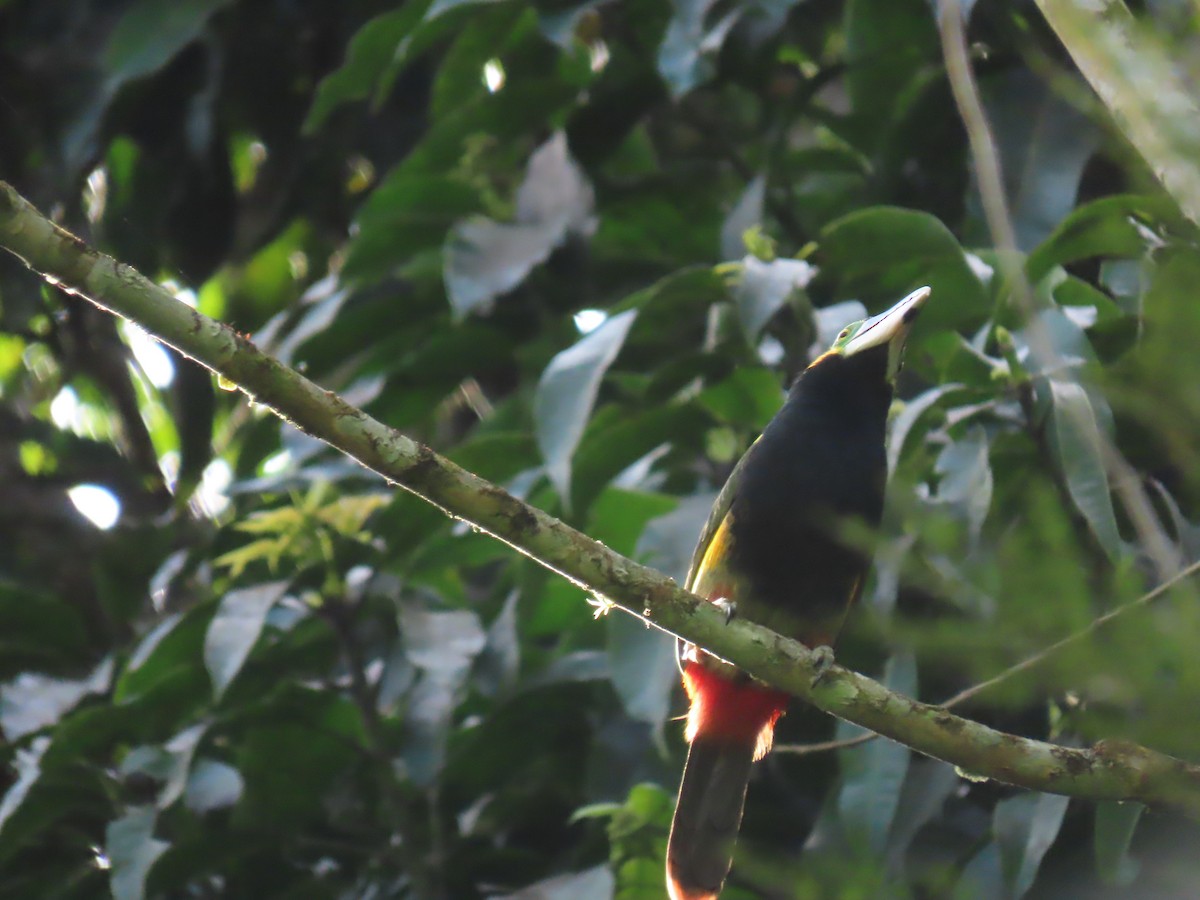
point(885, 252)
point(764, 287)
point(132, 849)
point(169, 763)
point(592, 884)
point(1106, 227)
point(1115, 825)
point(685, 57)
point(1025, 826)
point(28, 766)
point(33, 701)
point(484, 258)
point(212, 785)
point(235, 629)
point(1077, 445)
point(873, 774)
point(567, 392)
point(746, 213)
point(1045, 142)
point(151, 32)
point(442, 646)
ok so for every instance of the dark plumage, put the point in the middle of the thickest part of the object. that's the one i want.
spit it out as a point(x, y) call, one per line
point(773, 548)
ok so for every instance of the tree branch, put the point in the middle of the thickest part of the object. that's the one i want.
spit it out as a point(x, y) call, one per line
point(1029, 662)
point(1110, 770)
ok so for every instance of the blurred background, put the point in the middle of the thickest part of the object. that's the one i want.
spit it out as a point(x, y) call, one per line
point(581, 248)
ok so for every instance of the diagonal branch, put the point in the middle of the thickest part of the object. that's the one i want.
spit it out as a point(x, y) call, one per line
point(1109, 770)
point(1030, 662)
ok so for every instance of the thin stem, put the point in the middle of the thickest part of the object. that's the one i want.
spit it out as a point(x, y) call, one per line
point(1024, 665)
point(995, 208)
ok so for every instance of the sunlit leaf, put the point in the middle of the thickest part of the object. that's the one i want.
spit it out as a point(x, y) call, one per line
point(484, 258)
point(212, 785)
point(567, 392)
point(132, 850)
point(34, 701)
point(235, 629)
point(28, 766)
point(764, 287)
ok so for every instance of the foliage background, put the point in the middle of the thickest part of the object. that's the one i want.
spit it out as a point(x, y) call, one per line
point(579, 248)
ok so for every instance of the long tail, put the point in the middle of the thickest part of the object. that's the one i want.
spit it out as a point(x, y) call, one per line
point(730, 725)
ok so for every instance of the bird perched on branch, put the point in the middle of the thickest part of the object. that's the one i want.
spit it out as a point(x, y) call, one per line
point(771, 552)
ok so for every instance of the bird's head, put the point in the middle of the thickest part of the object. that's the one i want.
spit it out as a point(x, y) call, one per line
point(880, 338)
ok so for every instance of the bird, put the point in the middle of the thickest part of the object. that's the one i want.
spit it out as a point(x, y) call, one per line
point(770, 552)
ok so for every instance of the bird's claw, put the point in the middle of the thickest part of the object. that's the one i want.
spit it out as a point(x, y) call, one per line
point(822, 660)
point(727, 606)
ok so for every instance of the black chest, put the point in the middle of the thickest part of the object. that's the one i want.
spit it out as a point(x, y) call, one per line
point(819, 465)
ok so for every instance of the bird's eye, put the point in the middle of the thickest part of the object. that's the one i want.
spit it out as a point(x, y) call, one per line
point(845, 334)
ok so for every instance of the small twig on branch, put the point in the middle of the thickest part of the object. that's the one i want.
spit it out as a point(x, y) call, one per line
point(1110, 770)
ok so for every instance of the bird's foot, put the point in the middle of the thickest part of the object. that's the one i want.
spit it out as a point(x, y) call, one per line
point(822, 662)
point(727, 606)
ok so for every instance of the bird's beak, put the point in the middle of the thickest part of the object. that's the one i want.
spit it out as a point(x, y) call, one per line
point(889, 327)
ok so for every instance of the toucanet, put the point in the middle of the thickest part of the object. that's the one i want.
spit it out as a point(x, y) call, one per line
point(774, 551)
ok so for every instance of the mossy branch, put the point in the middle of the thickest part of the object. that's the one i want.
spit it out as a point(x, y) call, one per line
point(1109, 770)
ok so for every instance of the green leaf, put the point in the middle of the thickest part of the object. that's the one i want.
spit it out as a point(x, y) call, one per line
point(689, 46)
point(1025, 826)
point(371, 51)
point(747, 399)
point(300, 742)
point(235, 629)
point(1108, 227)
point(641, 659)
point(28, 766)
point(567, 391)
point(667, 541)
point(644, 670)
point(34, 701)
point(900, 425)
point(132, 850)
point(1045, 142)
point(442, 646)
point(888, 42)
point(1115, 825)
point(170, 648)
point(884, 251)
point(927, 786)
point(873, 774)
point(438, 7)
point(593, 884)
point(966, 478)
point(484, 258)
point(764, 287)
point(212, 785)
point(151, 32)
point(746, 213)
point(169, 763)
point(1077, 445)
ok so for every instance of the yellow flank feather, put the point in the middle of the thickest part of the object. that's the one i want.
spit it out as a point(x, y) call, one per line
point(712, 570)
